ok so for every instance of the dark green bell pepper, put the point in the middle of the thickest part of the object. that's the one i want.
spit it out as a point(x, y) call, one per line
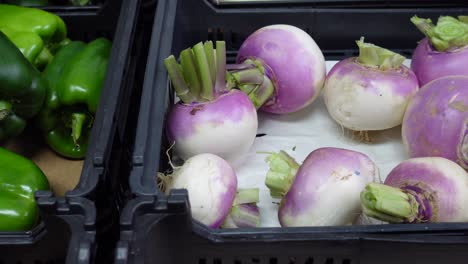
point(33, 31)
point(22, 90)
point(75, 78)
point(20, 178)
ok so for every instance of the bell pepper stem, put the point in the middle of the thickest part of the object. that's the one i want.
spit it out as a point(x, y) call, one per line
point(388, 203)
point(5, 109)
point(44, 58)
point(78, 120)
point(280, 176)
point(375, 56)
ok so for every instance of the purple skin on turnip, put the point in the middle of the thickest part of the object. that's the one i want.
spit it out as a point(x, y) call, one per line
point(324, 190)
point(436, 121)
point(280, 67)
point(369, 92)
point(444, 51)
point(210, 117)
point(211, 183)
point(419, 190)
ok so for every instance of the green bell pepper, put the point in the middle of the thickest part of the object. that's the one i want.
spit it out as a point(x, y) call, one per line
point(75, 78)
point(22, 90)
point(33, 31)
point(20, 178)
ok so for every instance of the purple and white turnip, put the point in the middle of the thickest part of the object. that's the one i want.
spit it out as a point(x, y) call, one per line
point(444, 51)
point(419, 190)
point(436, 120)
point(324, 190)
point(211, 183)
point(210, 118)
point(369, 92)
point(280, 67)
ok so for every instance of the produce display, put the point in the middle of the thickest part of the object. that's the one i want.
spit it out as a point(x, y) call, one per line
point(50, 84)
point(280, 71)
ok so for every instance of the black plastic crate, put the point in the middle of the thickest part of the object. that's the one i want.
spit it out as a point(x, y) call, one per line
point(340, 3)
point(161, 231)
point(159, 228)
point(67, 234)
point(99, 179)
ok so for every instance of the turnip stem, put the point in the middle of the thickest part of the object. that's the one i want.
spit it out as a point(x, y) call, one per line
point(262, 93)
point(375, 56)
point(388, 203)
point(238, 67)
point(246, 196)
point(180, 86)
point(249, 76)
point(280, 176)
point(243, 216)
point(209, 52)
point(220, 84)
point(204, 68)
point(244, 212)
point(247, 88)
point(449, 33)
point(187, 61)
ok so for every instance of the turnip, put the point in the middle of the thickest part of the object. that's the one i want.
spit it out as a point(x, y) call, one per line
point(244, 212)
point(211, 184)
point(369, 92)
point(444, 51)
point(436, 120)
point(326, 189)
point(419, 190)
point(280, 67)
point(210, 118)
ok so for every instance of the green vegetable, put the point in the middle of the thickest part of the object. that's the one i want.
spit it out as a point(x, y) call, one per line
point(33, 31)
point(75, 78)
point(20, 178)
point(22, 90)
point(449, 33)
